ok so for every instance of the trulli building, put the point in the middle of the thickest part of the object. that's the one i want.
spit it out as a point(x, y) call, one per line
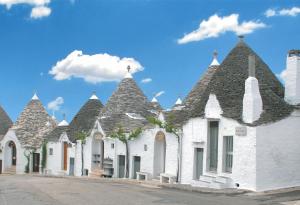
point(66, 154)
point(129, 108)
point(23, 141)
point(237, 128)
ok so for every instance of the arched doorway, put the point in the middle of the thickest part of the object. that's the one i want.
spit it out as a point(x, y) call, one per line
point(159, 154)
point(97, 152)
point(10, 156)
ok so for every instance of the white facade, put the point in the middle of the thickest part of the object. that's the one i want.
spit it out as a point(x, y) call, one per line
point(55, 156)
point(264, 157)
point(144, 147)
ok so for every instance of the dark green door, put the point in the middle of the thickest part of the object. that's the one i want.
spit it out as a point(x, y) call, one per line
point(71, 171)
point(198, 162)
point(136, 165)
point(121, 160)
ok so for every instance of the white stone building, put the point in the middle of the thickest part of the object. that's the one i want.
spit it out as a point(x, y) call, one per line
point(65, 156)
point(129, 108)
point(25, 138)
point(237, 129)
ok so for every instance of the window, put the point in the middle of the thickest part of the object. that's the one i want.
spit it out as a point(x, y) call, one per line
point(51, 151)
point(112, 145)
point(228, 153)
point(213, 145)
point(145, 147)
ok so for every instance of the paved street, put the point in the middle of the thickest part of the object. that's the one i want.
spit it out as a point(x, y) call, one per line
point(31, 190)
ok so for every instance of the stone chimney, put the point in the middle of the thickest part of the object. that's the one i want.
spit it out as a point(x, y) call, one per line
point(292, 77)
point(252, 102)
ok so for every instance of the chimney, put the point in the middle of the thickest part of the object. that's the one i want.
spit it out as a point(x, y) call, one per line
point(292, 77)
point(252, 102)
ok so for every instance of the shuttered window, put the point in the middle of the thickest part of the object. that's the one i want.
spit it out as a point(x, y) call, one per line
point(213, 145)
point(228, 153)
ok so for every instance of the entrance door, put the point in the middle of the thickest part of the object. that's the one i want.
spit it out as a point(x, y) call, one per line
point(0, 166)
point(65, 155)
point(136, 165)
point(36, 162)
point(121, 161)
point(198, 163)
point(71, 171)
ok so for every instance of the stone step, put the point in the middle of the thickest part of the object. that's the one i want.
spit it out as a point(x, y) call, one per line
point(207, 178)
point(224, 180)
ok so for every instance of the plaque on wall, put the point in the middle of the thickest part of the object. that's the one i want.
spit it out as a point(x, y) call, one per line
point(241, 131)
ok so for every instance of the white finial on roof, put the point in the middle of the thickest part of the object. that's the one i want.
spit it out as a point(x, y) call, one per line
point(35, 97)
point(215, 61)
point(53, 115)
point(154, 100)
point(128, 75)
point(64, 121)
point(178, 101)
point(94, 96)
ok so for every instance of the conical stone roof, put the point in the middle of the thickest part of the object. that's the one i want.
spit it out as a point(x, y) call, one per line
point(227, 82)
point(128, 107)
point(33, 124)
point(85, 119)
point(5, 122)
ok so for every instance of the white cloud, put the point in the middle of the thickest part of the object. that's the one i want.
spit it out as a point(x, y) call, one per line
point(55, 104)
point(216, 25)
point(270, 13)
point(10, 3)
point(294, 11)
point(159, 94)
point(40, 12)
point(93, 68)
point(282, 75)
point(146, 80)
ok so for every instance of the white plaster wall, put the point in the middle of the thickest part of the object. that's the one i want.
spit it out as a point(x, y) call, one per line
point(136, 148)
point(278, 154)
point(54, 162)
point(78, 160)
point(195, 135)
point(21, 159)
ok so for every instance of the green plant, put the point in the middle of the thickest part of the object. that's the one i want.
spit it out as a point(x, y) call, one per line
point(169, 127)
point(82, 137)
point(28, 161)
point(44, 155)
point(124, 137)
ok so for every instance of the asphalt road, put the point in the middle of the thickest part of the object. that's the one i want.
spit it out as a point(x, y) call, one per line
point(32, 190)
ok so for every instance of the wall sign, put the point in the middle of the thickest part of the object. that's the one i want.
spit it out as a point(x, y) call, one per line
point(241, 131)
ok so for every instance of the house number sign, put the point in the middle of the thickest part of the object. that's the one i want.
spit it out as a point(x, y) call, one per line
point(241, 131)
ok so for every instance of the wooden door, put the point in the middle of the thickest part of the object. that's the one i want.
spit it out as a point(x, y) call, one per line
point(136, 165)
point(65, 156)
point(36, 162)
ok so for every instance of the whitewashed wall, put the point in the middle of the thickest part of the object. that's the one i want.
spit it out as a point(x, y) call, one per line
point(195, 135)
point(278, 154)
point(136, 148)
point(21, 159)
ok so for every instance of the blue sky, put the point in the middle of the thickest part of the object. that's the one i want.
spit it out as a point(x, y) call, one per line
point(35, 36)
